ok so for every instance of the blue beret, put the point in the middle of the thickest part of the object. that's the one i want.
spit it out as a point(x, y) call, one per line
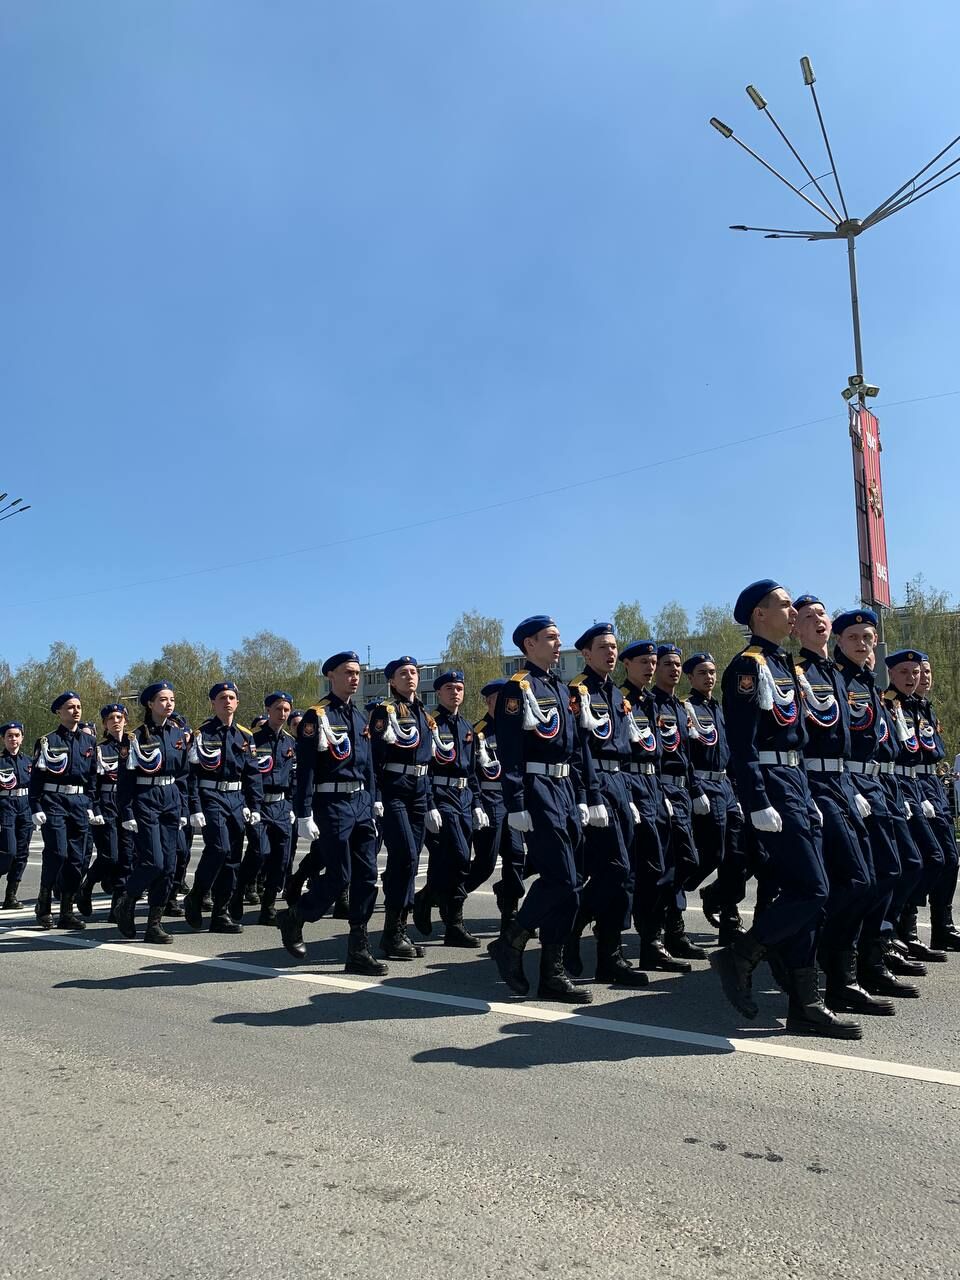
point(530, 626)
point(591, 633)
point(807, 598)
point(694, 661)
point(271, 698)
point(294, 713)
point(664, 649)
point(750, 597)
point(58, 702)
point(150, 692)
point(492, 686)
point(11, 724)
point(905, 655)
point(394, 666)
point(371, 703)
point(854, 618)
point(110, 708)
point(337, 660)
point(447, 677)
point(224, 686)
point(638, 649)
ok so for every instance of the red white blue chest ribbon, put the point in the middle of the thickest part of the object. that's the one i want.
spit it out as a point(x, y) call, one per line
point(487, 758)
point(822, 708)
point(704, 731)
point(336, 741)
point(781, 702)
point(545, 724)
point(206, 752)
point(145, 755)
point(52, 759)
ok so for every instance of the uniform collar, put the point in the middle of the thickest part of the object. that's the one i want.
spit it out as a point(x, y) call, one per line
point(598, 681)
point(537, 671)
point(701, 699)
point(768, 646)
point(812, 656)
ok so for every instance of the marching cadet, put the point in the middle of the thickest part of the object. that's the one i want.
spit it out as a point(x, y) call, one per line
point(268, 845)
point(453, 773)
point(761, 708)
point(652, 878)
point(605, 724)
point(943, 933)
point(686, 795)
point(336, 804)
point(897, 864)
point(843, 809)
point(62, 791)
point(547, 785)
point(229, 793)
point(905, 708)
point(15, 822)
point(403, 736)
point(154, 795)
point(717, 834)
point(113, 845)
point(497, 838)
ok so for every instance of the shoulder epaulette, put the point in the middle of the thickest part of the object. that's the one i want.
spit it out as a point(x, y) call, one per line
point(579, 681)
point(319, 706)
point(518, 677)
point(753, 651)
point(480, 724)
point(243, 728)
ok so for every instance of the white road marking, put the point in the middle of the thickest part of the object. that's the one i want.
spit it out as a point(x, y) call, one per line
point(515, 1009)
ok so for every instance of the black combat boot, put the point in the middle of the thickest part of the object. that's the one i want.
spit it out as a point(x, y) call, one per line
point(10, 901)
point(421, 951)
point(456, 933)
point(44, 908)
point(730, 925)
point(85, 895)
point(290, 924)
point(155, 931)
point(68, 918)
point(612, 964)
point(944, 935)
point(235, 905)
point(572, 959)
point(735, 965)
point(554, 983)
point(808, 1016)
point(676, 941)
point(394, 943)
point(874, 974)
point(341, 908)
point(507, 953)
point(844, 994)
point(206, 901)
point(193, 909)
point(897, 959)
point(268, 907)
point(422, 912)
point(654, 955)
point(710, 902)
point(359, 959)
point(907, 928)
point(508, 916)
point(221, 921)
point(173, 907)
point(114, 903)
point(126, 907)
point(250, 895)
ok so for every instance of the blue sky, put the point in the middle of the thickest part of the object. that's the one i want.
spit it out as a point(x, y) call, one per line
point(279, 275)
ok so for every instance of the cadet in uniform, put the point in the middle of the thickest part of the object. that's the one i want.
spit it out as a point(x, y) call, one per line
point(761, 708)
point(606, 730)
point(113, 845)
point(269, 850)
point(229, 793)
point(453, 773)
point(686, 795)
point(843, 811)
point(15, 821)
point(402, 733)
point(943, 933)
point(336, 804)
point(546, 795)
point(63, 798)
point(154, 799)
point(718, 834)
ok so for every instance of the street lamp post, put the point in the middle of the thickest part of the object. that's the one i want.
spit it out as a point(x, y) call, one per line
point(864, 427)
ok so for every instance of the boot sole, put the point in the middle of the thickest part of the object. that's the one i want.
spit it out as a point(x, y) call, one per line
point(571, 997)
point(374, 970)
point(877, 1011)
point(825, 1033)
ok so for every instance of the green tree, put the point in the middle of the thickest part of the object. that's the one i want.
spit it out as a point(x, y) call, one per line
point(265, 662)
point(190, 668)
point(26, 693)
point(475, 646)
point(716, 633)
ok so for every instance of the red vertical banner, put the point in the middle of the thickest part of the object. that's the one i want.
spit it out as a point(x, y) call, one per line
point(868, 492)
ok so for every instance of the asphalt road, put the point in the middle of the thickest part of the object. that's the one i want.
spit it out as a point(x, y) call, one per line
point(208, 1108)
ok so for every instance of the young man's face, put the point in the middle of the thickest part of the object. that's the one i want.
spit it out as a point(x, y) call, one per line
point(69, 714)
point(450, 695)
point(925, 683)
point(776, 615)
point(703, 678)
point(12, 740)
point(640, 671)
point(669, 668)
point(858, 643)
point(601, 654)
point(812, 627)
point(905, 677)
point(277, 714)
point(225, 704)
point(543, 648)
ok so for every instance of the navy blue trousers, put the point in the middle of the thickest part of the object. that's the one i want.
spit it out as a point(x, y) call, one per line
point(553, 854)
point(65, 835)
point(157, 811)
point(404, 811)
point(346, 856)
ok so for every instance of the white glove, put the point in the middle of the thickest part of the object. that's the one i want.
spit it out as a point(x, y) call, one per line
point(293, 818)
point(668, 806)
point(480, 819)
point(96, 819)
point(378, 808)
point(520, 821)
point(819, 812)
point(131, 824)
point(254, 818)
point(635, 811)
point(434, 821)
point(584, 814)
point(246, 813)
point(197, 821)
point(739, 809)
point(767, 820)
point(928, 810)
point(307, 829)
point(39, 818)
point(907, 810)
point(701, 806)
point(863, 806)
point(183, 823)
point(598, 815)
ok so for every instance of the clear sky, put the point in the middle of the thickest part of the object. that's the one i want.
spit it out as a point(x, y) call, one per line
point(280, 275)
